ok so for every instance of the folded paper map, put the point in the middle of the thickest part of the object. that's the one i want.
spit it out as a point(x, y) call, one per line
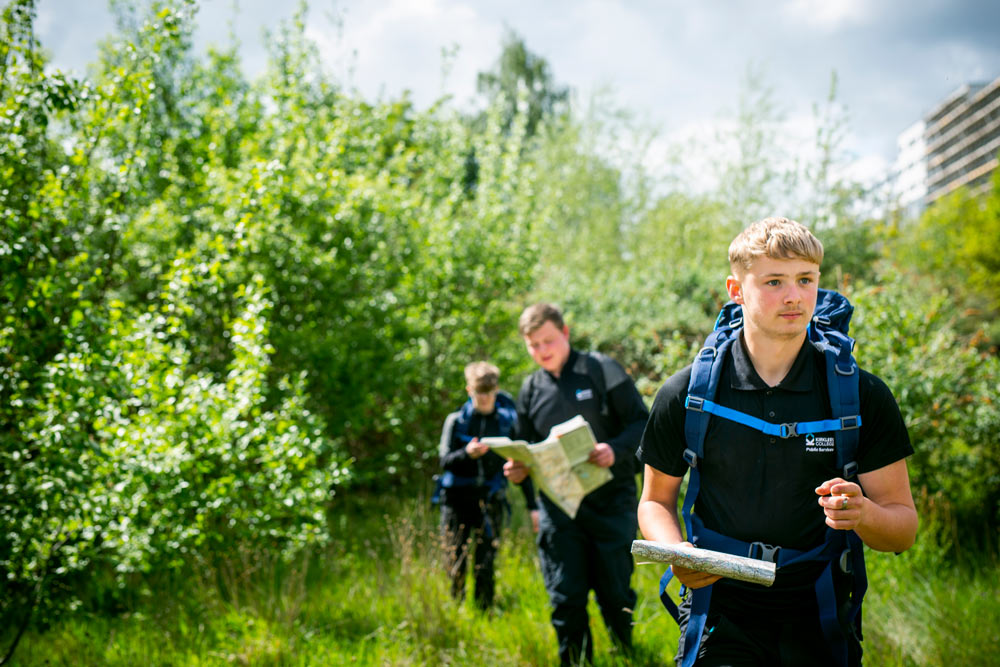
point(558, 465)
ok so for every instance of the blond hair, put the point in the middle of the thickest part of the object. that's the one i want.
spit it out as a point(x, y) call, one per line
point(776, 238)
point(482, 376)
point(537, 315)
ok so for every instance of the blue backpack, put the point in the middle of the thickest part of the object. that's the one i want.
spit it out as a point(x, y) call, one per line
point(844, 549)
point(459, 421)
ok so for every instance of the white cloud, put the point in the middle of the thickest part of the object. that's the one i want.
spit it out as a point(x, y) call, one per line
point(398, 45)
point(867, 169)
point(827, 15)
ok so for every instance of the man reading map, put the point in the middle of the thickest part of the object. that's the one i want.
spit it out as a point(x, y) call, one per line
point(590, 549)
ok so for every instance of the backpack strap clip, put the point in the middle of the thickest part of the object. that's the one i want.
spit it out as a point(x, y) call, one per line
point(845, 561)
point(691, 458)
point(694, 403)
point(765, 552)
point(852, 421)
point(788, 430)
point(850, 469)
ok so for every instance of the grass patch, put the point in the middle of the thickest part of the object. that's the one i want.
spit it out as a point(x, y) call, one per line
point(378, 595)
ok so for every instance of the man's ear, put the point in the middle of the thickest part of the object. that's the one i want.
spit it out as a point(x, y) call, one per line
point(735, 289)
point(566, 330)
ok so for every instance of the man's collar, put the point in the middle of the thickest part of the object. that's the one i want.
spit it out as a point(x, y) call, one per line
point(570, 364)
point(745, 377)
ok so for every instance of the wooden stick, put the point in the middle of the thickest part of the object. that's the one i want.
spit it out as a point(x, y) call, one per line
point(704, 560)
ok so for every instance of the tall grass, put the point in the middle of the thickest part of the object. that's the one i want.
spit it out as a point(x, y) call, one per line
point(379, 596)
point(925, 608)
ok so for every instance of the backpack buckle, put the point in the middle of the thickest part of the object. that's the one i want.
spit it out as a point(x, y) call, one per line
point(788, 430)
point(854, 421)
point(691, 458)
point(706, 353)
point(845, 561)
point(694, 403)
point(765, 552)
point(850, 470)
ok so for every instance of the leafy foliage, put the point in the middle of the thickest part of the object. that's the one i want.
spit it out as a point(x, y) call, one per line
point(521, 86)
point(957, 238)
point(119, 449)
point(947, 390)
point(223, 301)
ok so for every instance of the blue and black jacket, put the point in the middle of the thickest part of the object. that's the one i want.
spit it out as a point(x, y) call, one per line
point(482, 476)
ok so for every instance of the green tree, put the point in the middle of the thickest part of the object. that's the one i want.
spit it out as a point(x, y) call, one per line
point(521, 84)
point(833, 204)
point(958, 239)
point(117, 452)
point(754, 182)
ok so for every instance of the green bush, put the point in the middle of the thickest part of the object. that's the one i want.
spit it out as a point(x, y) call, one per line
point(222, 300)
point(908, 334)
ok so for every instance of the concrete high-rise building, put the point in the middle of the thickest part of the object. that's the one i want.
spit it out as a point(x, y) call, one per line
point(956, 144)
point(962, 137)
point(909, 171)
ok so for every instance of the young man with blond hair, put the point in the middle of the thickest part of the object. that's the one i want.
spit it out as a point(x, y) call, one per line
point(473, 497)
point(780, 492)
point(592, 550)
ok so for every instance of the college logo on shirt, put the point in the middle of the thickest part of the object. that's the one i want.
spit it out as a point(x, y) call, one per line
point(820, 444)
point(584, 394)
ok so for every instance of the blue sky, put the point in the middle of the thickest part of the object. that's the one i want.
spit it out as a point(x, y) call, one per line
point(678, 65)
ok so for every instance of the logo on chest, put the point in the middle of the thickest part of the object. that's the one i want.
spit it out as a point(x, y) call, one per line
point(819, 444)
point(584, 394)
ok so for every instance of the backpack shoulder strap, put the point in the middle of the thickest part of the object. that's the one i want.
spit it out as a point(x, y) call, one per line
point(828, 331)
point(525, 397)
point(705, 372)
point(595, 369)
point(447, 432)
point(506, 413)
point(845, 401)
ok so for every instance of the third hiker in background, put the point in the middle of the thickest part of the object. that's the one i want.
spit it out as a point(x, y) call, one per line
point(473, 494)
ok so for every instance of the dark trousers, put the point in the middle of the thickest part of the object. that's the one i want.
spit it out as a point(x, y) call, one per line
point(591, 552)
point(745, 639)
point(476, 522)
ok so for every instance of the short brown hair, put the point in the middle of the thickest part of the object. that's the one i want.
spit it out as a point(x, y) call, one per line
point(777, 238)
point(482, 376)
point(537, 315)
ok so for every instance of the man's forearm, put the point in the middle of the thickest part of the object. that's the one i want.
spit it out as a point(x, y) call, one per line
point(658, 523)
point(891, 527)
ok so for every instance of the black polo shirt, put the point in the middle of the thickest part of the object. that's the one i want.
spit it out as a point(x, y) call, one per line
point(756, 487)
point(545, 400)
